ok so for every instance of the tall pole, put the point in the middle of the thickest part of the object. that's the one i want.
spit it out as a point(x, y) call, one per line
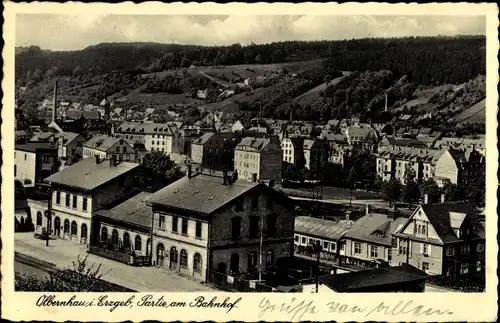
point(49, 216)
point(260, 252)
point(318, 251)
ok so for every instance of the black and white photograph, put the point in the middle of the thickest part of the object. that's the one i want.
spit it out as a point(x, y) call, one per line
point(257, 153)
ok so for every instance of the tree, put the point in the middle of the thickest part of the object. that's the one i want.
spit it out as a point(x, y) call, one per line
point(392, 190)
point(258, 59)
point(432, 190)
point(454, 193)
point(411, 192)
point(80, 278)
point(158, 162)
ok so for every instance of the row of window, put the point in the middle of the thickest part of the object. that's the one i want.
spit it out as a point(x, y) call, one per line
point(326, 245)
point(184, 226)
point(255, 226)
point(72, 202)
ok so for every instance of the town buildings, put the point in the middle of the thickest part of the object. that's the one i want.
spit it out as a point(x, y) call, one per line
point(215, 150)
point(206, 224)
point(315, 154)
point(164, 137)
point(259, 159)
point(34, 162)
point(460, 167)
point(69, 147)
point(106, 147)
point(445, 239)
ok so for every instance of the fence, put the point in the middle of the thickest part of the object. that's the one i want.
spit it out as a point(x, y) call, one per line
point(124, 258)
point(236, 284)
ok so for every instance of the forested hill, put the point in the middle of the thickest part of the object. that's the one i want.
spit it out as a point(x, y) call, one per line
point(425, 60)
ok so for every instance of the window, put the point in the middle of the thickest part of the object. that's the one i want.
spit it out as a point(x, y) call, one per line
point(425, 267)
point(235, 228)
point(450, 251)
point(58, 197)
point(184, 226)
point(127, 157)
point(161, 222)
point(373, 251)
point(45, 159)
point(175, 220)
point(333, 246)
point(183, 263)
point(252, 260)
point(197, 263)
point(304, 239)
point(84, 204)
point(423, 229)
point(75, 201)
point(357, 248)
point(478, 266)
point(254, 226)
point(464, 269)
point(480, 247)
point(271, 225)
point(464, 249)
point(138, 243)
point(419, 230)
point(67, 199)
point(198, 230)
point(296, 238)
point(25, 156)
point(311, 241)
point(325, 245)
point(255, 203)
point(239, 205)
point(39, 218)
point(124, 150)
point(269, 258)
point(425, 250)
point(389, 255)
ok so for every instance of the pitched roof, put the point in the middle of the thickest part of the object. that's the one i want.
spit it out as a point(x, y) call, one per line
point(331, 230)
point(86, 174)
point(102, 142)
point(34, 146)
point(375, 228)
point(201, 193)
point(203, 139)
point(146, 128)
point(67, 137)
point(372, 278)
point(133, 211)
point(308, 143)
point(253, 142)
point(410, 153)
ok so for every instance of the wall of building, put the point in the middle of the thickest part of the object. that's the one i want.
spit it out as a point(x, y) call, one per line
point(271, 165)
point(365, 254)
point(121, 230)
point(38, 208)
point(25, 166)
point(197, 153)
point(72, 214)
point(446, 167)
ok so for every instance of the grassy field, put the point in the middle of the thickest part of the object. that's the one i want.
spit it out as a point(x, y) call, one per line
point(315, 93)
point(473, 114)
point(229, 104)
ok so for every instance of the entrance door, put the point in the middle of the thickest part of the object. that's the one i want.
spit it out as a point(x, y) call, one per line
point(57, 226)
point(173, 258)
point(160, 255)
point(83, 234)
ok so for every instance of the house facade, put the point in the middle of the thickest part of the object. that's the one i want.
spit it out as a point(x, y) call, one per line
point(205, 224)
point(315, 154)
point(215, 150)
point(106, 147)
point(34, 162)
point(459, 167)
point(445, 239)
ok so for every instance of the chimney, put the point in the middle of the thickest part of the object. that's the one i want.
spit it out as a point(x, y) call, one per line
point(254, 177)
point(96, 159)
point(426, 198)
point(367, 209)
point(190, 170)
point(443, 198)
point(54, 108)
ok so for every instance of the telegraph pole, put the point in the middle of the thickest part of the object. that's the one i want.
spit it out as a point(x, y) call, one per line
point(260, 252)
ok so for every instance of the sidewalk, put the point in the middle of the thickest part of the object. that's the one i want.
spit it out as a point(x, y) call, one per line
point(63, 253)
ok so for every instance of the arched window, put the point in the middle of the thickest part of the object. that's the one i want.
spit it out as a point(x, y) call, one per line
point(74, 228)
point(138, 243)
point(252, 260)
point(160, 254)
point(104, 234)
point(183, 263)
point(66, 226)
point(173, 258)
point(39, 218)
point(235, 228)
point(197, 263)
point(114, 237)
point(269, 257)
point(83, 232)
point(234, 266)
point(126, 241)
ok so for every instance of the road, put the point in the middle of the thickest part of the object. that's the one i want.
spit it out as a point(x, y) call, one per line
point(30, 270)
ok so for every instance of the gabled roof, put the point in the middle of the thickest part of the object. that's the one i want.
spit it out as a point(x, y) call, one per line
point(34, 146)
point(253, 142)
point(201, 193)
point(357, 281)
point(88, 175)
point(102, 142)
point(132, 211)
point(330, 230)
point(374, 228)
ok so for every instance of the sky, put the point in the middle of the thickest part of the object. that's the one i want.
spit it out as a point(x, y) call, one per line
point(73, 32)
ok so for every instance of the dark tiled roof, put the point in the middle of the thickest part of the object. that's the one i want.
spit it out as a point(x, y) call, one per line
point(201, 193)
point(133, 211)
point(375, 228)
point(33, 146)
point(372, 278)
point(86, 174)
point(147, 128)
point(104, 142)
point(256, 143)
point(330, 230)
